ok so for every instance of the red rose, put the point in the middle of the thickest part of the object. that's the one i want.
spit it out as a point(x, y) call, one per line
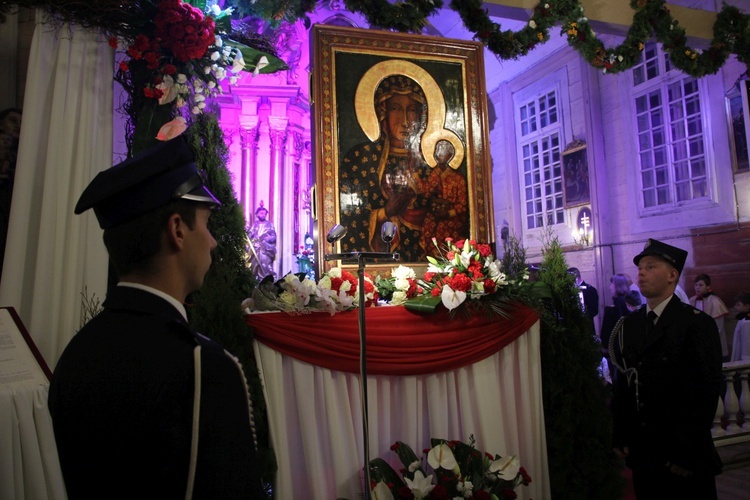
point(489, 287)
point(484, 250)
point(428, 276)
point(509, 493)
point(171, 69)
point(405, 493)
point(113, 42)
point(395, 446)
point(123, 66)
point(460, 244)
point(435, 291)
point(481, 495)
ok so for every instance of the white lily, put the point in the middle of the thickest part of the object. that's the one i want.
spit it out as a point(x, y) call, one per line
point(452, 298)
point(442, 456)
point(420, 486)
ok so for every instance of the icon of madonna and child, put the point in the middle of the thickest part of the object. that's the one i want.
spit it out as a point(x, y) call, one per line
point(408, 172)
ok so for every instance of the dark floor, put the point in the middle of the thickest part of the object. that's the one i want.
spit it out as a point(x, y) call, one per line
point(734, 482)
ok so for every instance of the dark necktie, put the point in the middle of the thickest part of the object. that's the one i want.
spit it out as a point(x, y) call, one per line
point(651, 317)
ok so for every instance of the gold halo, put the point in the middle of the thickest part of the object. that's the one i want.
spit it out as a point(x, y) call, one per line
point(429, 143)
point(364, 107)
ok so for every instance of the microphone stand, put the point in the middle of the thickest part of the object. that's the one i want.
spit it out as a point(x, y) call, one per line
point(361, 257)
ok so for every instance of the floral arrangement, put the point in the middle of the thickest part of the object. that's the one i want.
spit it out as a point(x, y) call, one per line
point(458, 469)
point(336, 291)
point(176, 61)
point(467, 269)
point(466, 277)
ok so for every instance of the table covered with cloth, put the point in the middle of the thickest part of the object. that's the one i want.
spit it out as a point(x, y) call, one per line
point(428, 376)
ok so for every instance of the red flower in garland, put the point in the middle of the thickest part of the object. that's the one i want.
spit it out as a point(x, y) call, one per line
point(183, 30)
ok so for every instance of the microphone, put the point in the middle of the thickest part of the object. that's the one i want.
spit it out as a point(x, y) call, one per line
point(335, 234)
point(388, 231)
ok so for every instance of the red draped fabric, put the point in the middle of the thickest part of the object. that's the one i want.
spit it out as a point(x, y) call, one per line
point(399, 342)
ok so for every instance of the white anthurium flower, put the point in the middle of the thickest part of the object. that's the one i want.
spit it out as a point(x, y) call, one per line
point(507, 467)
point(262, 63)
point(403, 272)
point(420, 486)
point(169, 90)
point(381, 492)
point(442, 456)
point(452, 298)
point(239, 63)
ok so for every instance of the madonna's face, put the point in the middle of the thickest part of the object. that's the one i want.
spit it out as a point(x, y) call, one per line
point(402, 119)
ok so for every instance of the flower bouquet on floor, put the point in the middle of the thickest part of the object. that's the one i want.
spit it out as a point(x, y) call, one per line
point(458, 470)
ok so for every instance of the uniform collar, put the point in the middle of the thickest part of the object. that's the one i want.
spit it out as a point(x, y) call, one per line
point(175, 303)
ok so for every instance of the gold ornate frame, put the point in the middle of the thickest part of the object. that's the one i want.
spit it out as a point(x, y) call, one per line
point(349, 63)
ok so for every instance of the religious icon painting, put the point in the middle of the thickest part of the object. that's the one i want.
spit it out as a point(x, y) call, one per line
point(402, 135)
point(576, 175)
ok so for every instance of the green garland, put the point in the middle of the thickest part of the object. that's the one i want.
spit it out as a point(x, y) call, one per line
point(651, 19)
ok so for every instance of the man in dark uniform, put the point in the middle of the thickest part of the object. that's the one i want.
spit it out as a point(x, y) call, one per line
point(667, 387)
point(142, 405)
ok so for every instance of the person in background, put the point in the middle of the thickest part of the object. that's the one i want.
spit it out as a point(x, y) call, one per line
point(705, 300)
point(142, 405)
point(589, 295)
point(741, 340)
point(666, 354)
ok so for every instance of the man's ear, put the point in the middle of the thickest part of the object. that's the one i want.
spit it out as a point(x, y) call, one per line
point(175, 231)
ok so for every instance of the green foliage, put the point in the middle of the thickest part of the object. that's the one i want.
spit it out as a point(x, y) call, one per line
point(215, 309)
point(577, 419)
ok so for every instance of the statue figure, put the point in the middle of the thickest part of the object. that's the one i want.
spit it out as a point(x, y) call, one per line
point(262, 236)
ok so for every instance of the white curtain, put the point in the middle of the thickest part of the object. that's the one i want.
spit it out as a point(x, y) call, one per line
point(316, 423)
point(52, 255)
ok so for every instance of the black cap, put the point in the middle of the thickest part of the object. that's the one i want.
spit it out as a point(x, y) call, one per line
point(145, 182)
point(673, 255)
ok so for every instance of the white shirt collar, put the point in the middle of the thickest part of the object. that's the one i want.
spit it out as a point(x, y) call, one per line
point(659, 308)
point(176, 303)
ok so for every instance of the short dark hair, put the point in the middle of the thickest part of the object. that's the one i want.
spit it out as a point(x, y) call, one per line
point(743, 297)
point(633, 298)
point(132, 245)
point(621, 284)
point(574, 271)
point(704, 278)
